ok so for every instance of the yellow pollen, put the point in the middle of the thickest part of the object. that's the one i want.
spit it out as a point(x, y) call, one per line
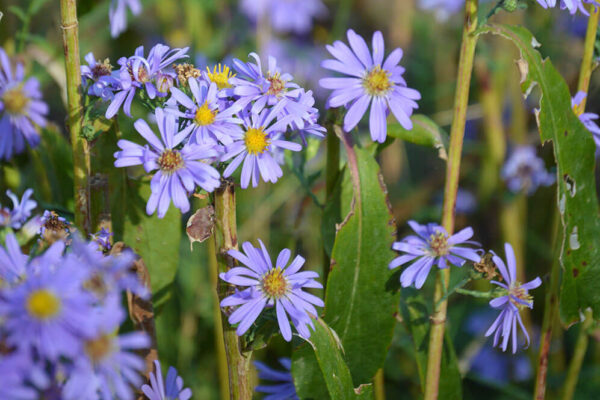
point(220, 75)
point(277, 85)
point(43, 304)
point(577, 109)
point(274, 284)
point(204, 115)
point(439, 244)
point(377, 81)
point(170, 161)
point(15, 101)
point(517, 291)
point(99, 348)
point(256, 141)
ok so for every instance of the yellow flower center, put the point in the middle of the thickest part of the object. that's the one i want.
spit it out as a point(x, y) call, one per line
point(15, 101)
point(204, 115)
point(377, 81)
point(220, 75)
point(517, 291)
point(256, 141)
point(99, 348)
point(577, 109)
point(277, 84)
point(274, 284)
point(43, 304)
point(439, 244)
point(170, 161)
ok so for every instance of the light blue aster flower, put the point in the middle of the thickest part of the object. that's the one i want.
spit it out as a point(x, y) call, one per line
point(285, 15)
point(282, 386)
point(21, 211)
point(117, 14)
point(572, 5)
point(171, 389)
point(524, 171)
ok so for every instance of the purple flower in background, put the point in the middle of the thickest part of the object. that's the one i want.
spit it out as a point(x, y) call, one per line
point(210, 118)
point(442, 8)
point(515, 298)
point(102, 239)
point(117, 14)
point(98, 75)
point(138, 72)
point(49, 312)
point(179, 170)
point(572, 5)
point(280, 286)
point(586, 118)
point(371, 81)
point(432, 246)
point(466, 202)
point(282, 387)
point(21, 211)
point(285, 15)
point(171, 389)
point(13, 368)
point(256, 146)
point(21, 108)
point(524, 171)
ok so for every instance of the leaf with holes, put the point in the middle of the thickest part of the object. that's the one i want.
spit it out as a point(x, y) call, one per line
point(574, 151)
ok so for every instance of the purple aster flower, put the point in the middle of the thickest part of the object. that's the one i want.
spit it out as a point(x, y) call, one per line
point(285, 15)
point(138, 72)
point(372, 81)
point(179, 170)
point(443, 8)
point(269, 88)
point(432, 246)
point(586, 118)
point(307, 123)
point(255, 146)
point(524, 171)
point(14, 368)
point(280, 286)
point(21, 108)
point(108, 364)
point(13, 263)
point(283, 384)
point(516, 296)
point(49, 312)
point(21, 211)
point(102, 239)
point(98, 78)
point(210, 118)
point(171, 389)
point(117, 14)
point(572, 5)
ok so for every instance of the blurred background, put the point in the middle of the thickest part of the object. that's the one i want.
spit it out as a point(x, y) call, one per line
point(285, 215)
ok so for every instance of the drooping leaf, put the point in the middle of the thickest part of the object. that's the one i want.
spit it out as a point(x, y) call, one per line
point(425, 132)
point(155, 239)
point(328, 352)
point(574, 151)
point(415, 314)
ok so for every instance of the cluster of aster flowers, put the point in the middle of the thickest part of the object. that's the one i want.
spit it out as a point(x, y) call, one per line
point(210, 122)
point(432, 245)
point(21, 108)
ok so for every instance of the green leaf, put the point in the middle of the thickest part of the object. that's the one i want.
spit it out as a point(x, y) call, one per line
point(574, 151)
point(156, 240)
point(415, 314)
point(18, 12)
point(328, 352)
point(425, 132)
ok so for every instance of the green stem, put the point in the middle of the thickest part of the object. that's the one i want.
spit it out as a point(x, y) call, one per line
point(238, 360)
point(438, 319)
point(342, 15)
point(332, 172)
point(379, 383)
point(550, 312)
point(475, 293)
point(578, 356)
point(81, 156)
point(585, 72)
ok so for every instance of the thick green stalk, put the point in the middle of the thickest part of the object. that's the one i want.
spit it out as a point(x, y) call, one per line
point(379, 383)
point(81, 156)
point(585, 72)
point(238, 360)
point(332, 172)
point(550, 313)
point(461, 100)
point(578, 356)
